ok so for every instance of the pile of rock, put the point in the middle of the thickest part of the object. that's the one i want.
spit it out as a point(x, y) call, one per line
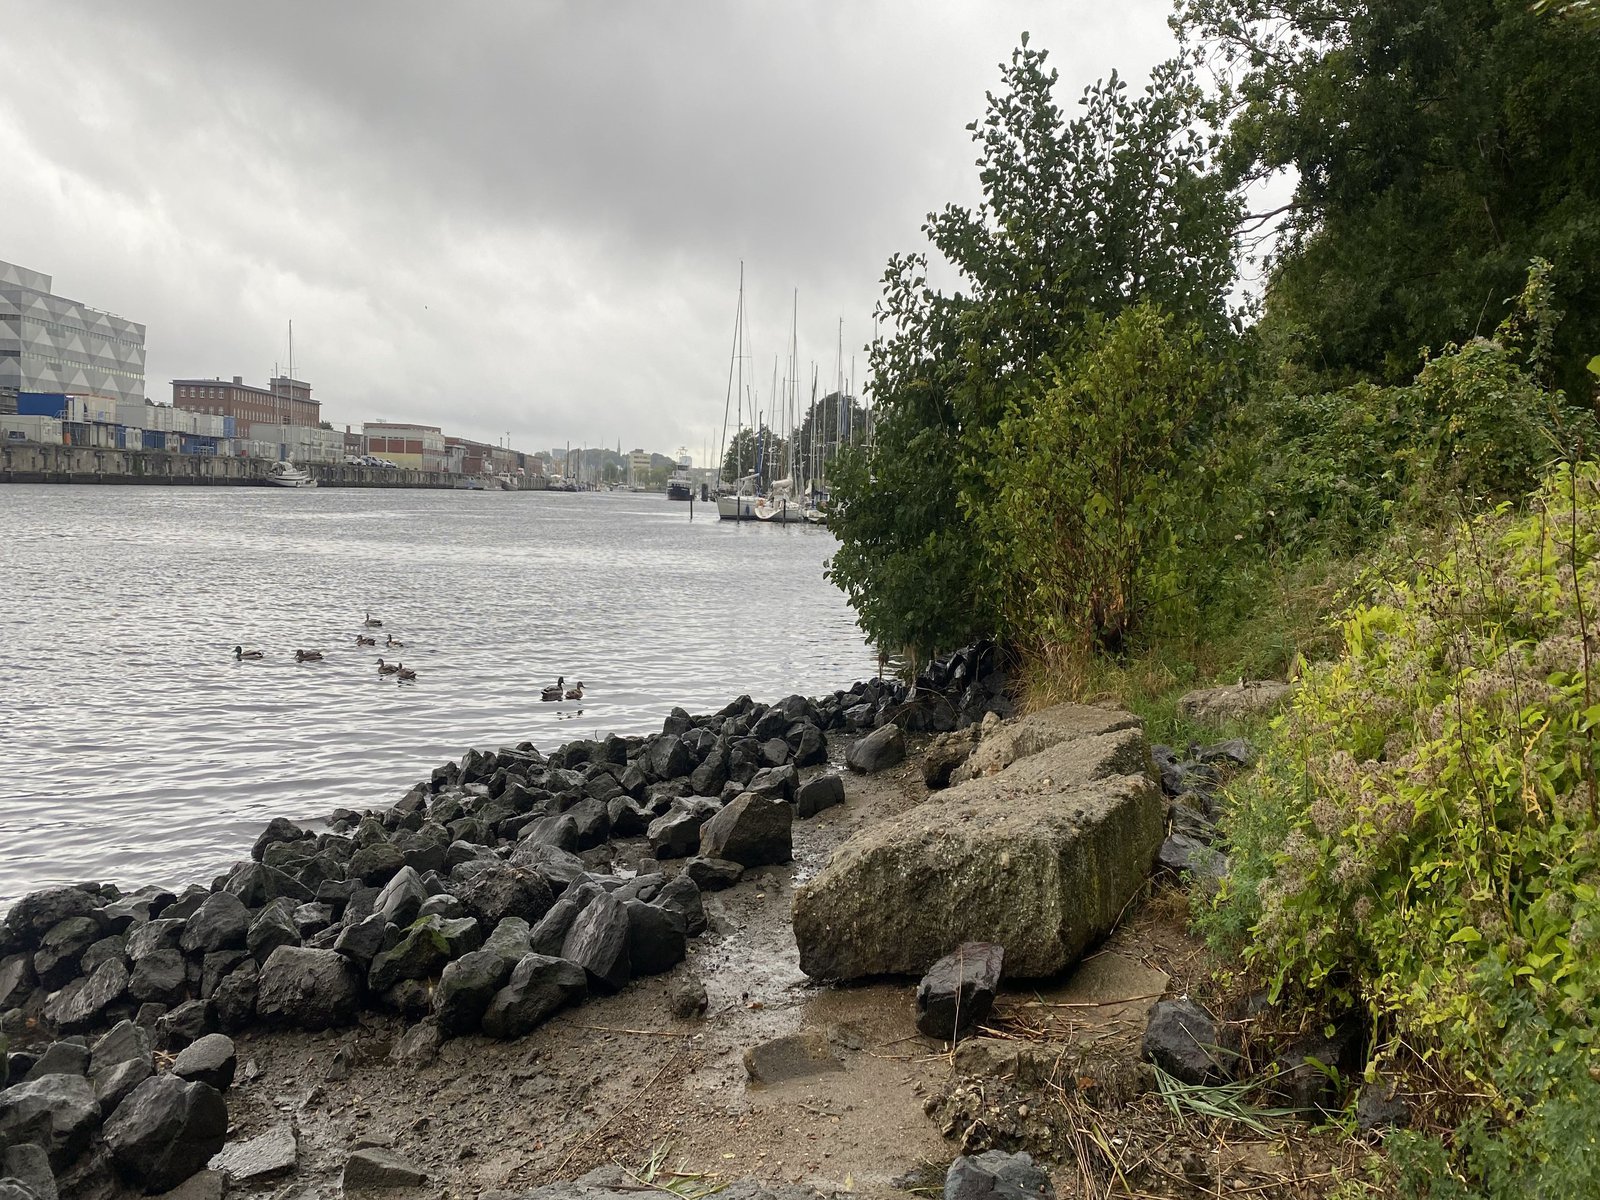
point(79, 1113)
point(950, 693)
point(1192, 785)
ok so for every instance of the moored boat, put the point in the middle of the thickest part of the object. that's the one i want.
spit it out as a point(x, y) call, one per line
point(286, 474)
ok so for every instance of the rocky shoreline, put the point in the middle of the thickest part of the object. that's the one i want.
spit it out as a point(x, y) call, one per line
point(509, 885)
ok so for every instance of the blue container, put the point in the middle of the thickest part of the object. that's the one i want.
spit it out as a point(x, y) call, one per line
point(42, 404)
point(228, 427)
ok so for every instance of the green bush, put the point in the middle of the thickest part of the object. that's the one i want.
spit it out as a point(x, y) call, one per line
point(1423, 836)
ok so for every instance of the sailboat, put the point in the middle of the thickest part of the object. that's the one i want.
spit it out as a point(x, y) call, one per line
point(284, 473)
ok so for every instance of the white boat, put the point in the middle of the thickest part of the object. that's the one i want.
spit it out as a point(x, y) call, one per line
point(286, 474)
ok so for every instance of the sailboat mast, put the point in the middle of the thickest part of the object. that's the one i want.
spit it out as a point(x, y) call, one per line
point(733, 354)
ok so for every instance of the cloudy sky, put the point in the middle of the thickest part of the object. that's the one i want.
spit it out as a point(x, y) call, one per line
point(506, 216)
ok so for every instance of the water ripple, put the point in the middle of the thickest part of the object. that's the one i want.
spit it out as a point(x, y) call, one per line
point(134, 747)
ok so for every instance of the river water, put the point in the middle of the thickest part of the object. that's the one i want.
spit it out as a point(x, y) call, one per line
point(134, 747)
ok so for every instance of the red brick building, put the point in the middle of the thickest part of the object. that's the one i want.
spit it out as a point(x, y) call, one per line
point(283, 402)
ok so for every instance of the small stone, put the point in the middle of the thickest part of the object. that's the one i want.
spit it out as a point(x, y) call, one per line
point(265, 1156)
point(687, 999)
point(999, 1175)
point(818, 794)
point(957, 993)
point(374, 1169)
point(879, 750)
point(793, 1057)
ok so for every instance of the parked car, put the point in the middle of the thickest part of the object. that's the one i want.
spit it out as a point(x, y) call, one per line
point(384, 462)
point(354, 460)
point(371, 460)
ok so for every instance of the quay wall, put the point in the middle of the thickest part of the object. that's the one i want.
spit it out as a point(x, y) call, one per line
point(33, 462)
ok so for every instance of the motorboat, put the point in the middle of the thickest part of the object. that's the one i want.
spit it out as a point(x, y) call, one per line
point(286, 474)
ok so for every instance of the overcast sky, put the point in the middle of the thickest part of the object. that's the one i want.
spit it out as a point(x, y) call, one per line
point(506, 217)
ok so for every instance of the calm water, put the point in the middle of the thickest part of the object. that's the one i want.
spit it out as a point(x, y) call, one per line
point(134, 748)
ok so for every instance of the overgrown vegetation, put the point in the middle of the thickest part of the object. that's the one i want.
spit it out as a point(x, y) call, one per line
point(1381, 476)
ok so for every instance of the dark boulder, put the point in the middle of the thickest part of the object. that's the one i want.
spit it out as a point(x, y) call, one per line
point(402, 897)
point(273, 927)
point(210, 1059)
point(311, 989)
point(376, 864)
point(598, 942)
point(539, 986)
point(56, 960)
point(657, 938)
point(17, 980)
point(669, 758)
point(58, 1112)
point(778, 782)
point(957, 994)
point(83, 1002)
point(817, 794)
point(420, 954)
point(1182, 1040)
point(997, 1175)
point(361, 942)
point(880, 749)
point(256, 884)
point(163, 933)
point(159, 977)
point(500, 889)
point(752, 831)
point(550, 934)
point(234, 1001)
point(676, 833)
point(61, 1058)
point(712, 874)
point(466, 988)
point(222, 922)
point(31, 917)
point(682, 896)
point(190, 1020)
point(165, 1131)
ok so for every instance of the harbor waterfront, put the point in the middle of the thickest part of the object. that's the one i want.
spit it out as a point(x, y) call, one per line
point(138, 748)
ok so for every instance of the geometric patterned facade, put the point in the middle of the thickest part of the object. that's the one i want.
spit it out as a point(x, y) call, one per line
point(51, 344)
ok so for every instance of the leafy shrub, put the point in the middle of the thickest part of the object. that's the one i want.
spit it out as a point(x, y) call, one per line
point(1424, 833)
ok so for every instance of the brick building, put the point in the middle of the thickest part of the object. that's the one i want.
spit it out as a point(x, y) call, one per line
point(283, 401)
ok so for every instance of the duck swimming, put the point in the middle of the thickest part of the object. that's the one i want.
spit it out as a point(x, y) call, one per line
point(240, 653)
point(393, 643)
point(308, 656)
point(555, 691)
point(363, 640)
point(575, 693)
point(388, 668)
point(405, 672)
point(372, 622)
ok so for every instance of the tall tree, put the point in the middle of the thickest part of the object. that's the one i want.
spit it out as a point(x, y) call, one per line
point(1439, 145)
point(1117, 206)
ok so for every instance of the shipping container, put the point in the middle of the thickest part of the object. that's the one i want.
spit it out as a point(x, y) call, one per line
point(31, 428)
point(42, 404)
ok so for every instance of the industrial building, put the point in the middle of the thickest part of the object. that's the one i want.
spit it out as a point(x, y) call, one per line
point(283, 401)
point(53, 346)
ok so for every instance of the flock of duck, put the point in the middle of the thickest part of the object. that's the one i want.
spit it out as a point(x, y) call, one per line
point(402, 673)
point(399, 670)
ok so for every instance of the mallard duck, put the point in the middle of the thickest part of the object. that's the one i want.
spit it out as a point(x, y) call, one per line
point(388, 668)
point(372, 622)
point(240, 653)
point(405, 672)
point(575, 693)
point(556, 690)
point(363, 640)
point(394, 643)
point(308, 656)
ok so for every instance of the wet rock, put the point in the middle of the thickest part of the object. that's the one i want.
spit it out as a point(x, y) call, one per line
point(418, 1046)
point(215, 967)
point(83, 1002)
point(999, 1175)
point(159, 977)
point(598, 942)
point(372, 1169)
point(466, 988)
point(120, 1061)
point(817, 794)
point(361, 942)
point(774, 782)
point(56, 960)
point(796, 1056)
point(1182, 1040)
point(31, 917)
point(559, 868)
point(376, 864)
point(165, 1131)
point(221, 922)
point(61, 1058)
point(273, 927)
point(712, 874)
point(311, 989)
point(707, 779)
point(1040, 858)
point(420, 954)
point(657, 939)
point(752, 831)
point(682, 896)
point(1235, 752)
point(178, 1027)
point(102, 951)
point(1182, 855)
point(539, 986)
point(17, 980)
point(112, 1085)
point(146, 939)
point(234, 1001)
point(550, 933)
point(210, 1059)
point(669, 758)
point(265, 1156)
point(29, 1166)
point(879, 750)
point(256, 884)
point(810, 747)
point(402, 897)
point(501, 890)
point(57, 1112)
point(687, 999)
point(279, 829)
point(957, 994)
point(676, 833)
